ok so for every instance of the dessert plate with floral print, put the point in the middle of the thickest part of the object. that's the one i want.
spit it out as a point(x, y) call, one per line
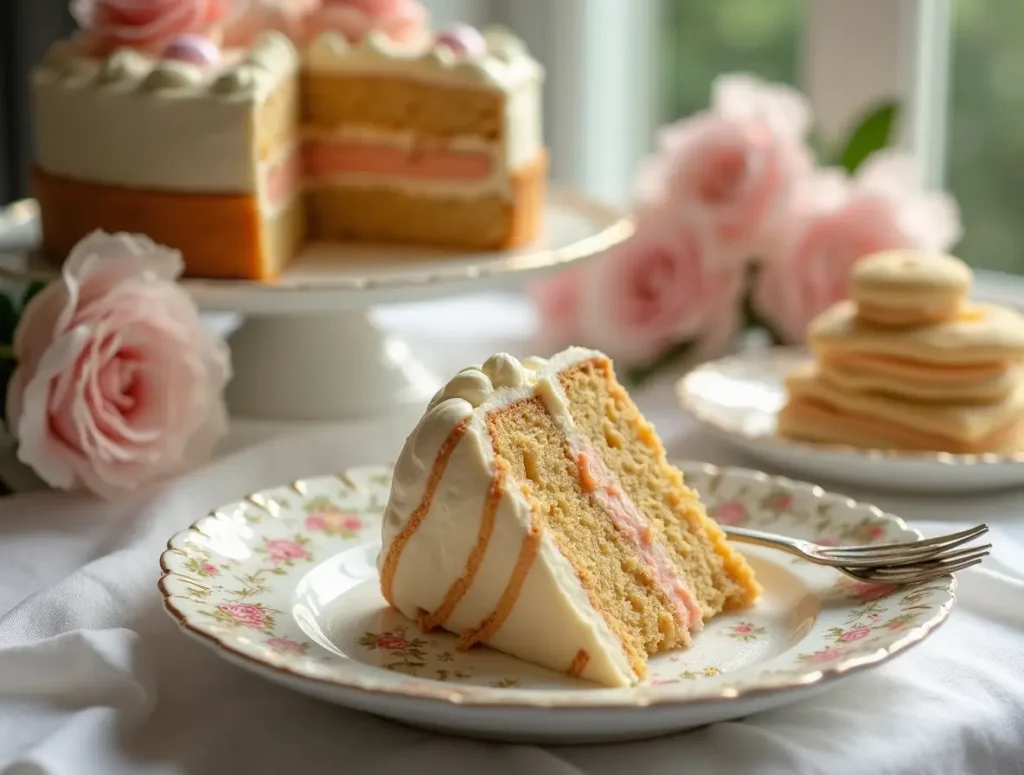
point(738, 398)
point(284, 583)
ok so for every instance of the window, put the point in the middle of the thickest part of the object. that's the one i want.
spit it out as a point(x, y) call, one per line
point(700, 40)
point(986, 130)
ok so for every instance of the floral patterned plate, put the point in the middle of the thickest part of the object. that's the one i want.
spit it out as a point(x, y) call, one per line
point(285, 584)
point(738, 398)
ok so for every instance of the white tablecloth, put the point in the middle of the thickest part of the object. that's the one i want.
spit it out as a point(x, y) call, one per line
point(95, 678)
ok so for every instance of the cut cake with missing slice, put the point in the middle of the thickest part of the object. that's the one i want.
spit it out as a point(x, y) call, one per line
point(533, 509)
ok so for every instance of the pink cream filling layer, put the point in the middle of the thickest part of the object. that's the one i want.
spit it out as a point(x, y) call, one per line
point(600, 484)
point(325, 159)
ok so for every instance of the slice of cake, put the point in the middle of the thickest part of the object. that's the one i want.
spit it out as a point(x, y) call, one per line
point(437, 146)
point(533, 509)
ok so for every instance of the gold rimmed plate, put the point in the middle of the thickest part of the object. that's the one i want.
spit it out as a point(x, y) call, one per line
point(285, 584)
point(738, 398)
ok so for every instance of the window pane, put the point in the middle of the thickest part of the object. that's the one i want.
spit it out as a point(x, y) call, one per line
point(986, 144)
point(704, 39)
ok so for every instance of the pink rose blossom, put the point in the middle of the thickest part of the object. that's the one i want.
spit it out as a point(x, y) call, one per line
point(281, 549)
point(742, 629)
point(210, 569)
point(316, 522)
point(730, 512)
point(401, 20)
point(876, 532)
point(558, 302)
point(897, 624)
point(662, 286)
point(851, 635)
point(352, 523)
point(286, 646)
point(832, 222)
point(733, 165)
point(392, 643)
point(244, 613)
point(146, 24)
point(118, 384)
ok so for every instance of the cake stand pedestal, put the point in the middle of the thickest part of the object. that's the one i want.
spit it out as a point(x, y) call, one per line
point(307, 353)
point(334, 366)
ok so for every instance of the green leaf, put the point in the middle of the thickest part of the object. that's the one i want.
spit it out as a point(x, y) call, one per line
point(30, 292)
point(873, 133)
point(638, 375)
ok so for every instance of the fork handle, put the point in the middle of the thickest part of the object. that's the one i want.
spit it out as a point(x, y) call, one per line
point(748, 536)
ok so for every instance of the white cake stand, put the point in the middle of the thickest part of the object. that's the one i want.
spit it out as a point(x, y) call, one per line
point(307, 350)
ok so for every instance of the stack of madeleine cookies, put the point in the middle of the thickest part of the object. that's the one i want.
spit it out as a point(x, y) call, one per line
point(909, 364)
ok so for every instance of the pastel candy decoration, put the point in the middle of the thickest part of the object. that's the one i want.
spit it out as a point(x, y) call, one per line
point(194, 49)
point(464, 40)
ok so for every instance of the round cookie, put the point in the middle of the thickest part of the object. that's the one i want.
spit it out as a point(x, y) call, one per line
point(909, 287)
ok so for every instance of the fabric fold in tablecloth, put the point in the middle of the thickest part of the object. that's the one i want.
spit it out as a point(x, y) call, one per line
point(95, 678)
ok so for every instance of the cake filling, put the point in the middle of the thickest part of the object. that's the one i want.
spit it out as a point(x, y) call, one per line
point(324, 160)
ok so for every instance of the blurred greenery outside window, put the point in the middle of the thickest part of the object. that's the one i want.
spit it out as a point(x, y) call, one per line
point(984, 159)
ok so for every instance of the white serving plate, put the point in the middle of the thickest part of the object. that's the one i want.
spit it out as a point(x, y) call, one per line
point(285, 584)
point(738, 398)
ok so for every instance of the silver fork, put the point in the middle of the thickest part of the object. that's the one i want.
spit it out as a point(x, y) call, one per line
point(909, 562)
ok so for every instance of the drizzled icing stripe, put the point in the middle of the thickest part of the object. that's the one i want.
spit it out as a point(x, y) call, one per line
point(390, 566)
point(461, 586)
point(579, 663)
point(507, 601)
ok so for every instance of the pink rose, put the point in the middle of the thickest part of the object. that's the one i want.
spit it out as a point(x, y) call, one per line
point(286, 646)
point(558, 302)
point(730, 513)
point(401, 20)
point(210, 569)
point(244, 613)
point(316, 522)
point(662, 286)
point(118, 384)
point(851, 635)
point(742, 629)
point(733, 165)
point(392, 643)
point(832, 223)
point(280, 549)
point(146, 24)
point(352, 523)
point(876, 532)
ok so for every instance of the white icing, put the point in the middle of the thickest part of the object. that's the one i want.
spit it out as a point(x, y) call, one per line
point(553, 618)
point(505, 65)
point(157, 125)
